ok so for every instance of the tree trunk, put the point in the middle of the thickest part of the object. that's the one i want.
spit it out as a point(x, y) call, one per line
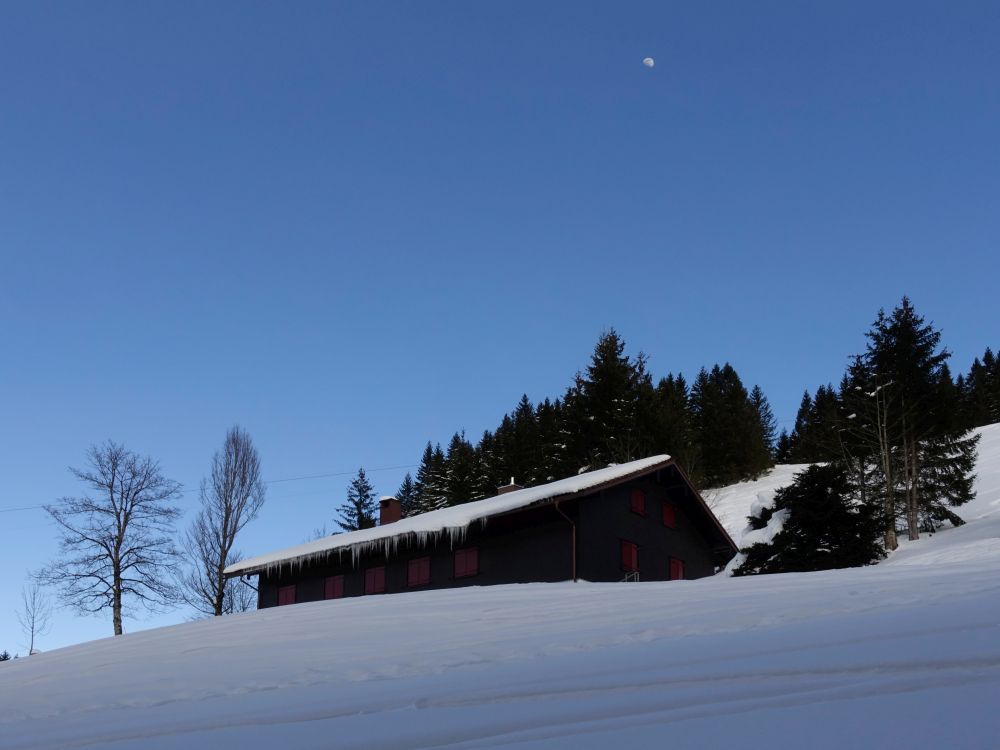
point(910, 478)
point(220, 591)
point(117, 610)
point(890, 496)
point(913, 496)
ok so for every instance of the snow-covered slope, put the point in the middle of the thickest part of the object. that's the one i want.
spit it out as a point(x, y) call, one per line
point(902, 653)
point(734, 503)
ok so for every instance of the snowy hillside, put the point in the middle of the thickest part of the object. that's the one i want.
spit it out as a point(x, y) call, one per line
point(734, 503)
point(904, 653)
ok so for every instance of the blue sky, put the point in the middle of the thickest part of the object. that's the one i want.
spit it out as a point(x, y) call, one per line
point(354, 228)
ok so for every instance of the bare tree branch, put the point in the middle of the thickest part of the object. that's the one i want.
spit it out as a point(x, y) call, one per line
point(231, 497)
point(126, 528)
point(35, 614)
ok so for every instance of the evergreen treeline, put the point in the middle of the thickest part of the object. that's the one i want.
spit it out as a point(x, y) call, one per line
point(895, 436)
point(895, 433)
point(979, 392)
point(612, 412)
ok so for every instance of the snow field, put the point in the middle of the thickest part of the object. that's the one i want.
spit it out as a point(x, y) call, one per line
point(903, 653)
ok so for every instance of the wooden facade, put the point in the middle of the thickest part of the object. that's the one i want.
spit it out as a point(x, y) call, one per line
point(651, 526)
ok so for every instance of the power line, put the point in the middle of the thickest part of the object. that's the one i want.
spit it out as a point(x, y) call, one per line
point(26, 507)
point(327, 475)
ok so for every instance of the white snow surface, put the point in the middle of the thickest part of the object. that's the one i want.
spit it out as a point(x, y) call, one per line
point(732, 504)
point(906, 653)
point(453, 521)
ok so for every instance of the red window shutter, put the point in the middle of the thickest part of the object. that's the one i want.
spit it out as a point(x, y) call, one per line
point(467, 562)
point(286, 595)
point(334, 587)
point(418, 572)
point(676, 569)
point(630, 556)
point(669, 515)
point(375, 580)
point(639, 502)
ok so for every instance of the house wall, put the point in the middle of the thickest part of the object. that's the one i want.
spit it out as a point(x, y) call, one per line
point(535, 546)
point(523, 548)
point(607, 519)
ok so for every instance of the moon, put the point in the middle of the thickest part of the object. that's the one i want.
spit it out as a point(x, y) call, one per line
point(649, 62)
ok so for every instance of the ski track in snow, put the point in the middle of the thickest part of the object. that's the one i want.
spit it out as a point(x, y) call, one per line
point(863, 658)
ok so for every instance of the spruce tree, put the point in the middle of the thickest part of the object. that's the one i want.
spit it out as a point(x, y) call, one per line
point(816, 437)
point(549, 449)
point(431, 481)
point(673, 430)
point(783, 450)
point(424, 471)
point(437, 488)
point(731, 438)
point(824, 527)
point(5, 656)
point(980, 391)
point(460, 471)
point(992, 384)
point(800, 429)
point(947, 459)
point(359, 511)
point(488, 473)
point(521, 449)
point(919, 438)
point(574, 433)
point(607, 398)
point(765, 428)
point(407, 496)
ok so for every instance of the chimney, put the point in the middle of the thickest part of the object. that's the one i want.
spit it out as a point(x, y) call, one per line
point(508, 488)
point(390, 510)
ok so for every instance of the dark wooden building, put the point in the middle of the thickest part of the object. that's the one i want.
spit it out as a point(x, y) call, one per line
point(637, 521)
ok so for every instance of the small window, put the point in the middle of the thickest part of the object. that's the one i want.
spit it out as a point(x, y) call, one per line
point(669, 515)
point(418, 572)
point(286, 595)
point(334, 588)
point(375, 580)
point(467, 562)
point(639, 502)
point(630, 556)
point(676, 569)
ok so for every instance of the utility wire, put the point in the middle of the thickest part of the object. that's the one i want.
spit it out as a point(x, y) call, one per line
point(267, 481)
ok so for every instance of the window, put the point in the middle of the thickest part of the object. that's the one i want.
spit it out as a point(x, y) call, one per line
point(669, 515)
point(467, 562)
point(639, 502)
point(286, 595)
point(630, 556)
point(676, 569)
point(418, 572)
point(334, 588)
point(375, 580)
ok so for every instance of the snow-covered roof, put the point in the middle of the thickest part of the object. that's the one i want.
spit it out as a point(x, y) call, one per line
point(454, 521)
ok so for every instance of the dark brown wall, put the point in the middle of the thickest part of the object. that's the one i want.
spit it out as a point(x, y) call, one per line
point(535, 546)
point(606, 520)
point(529, 547)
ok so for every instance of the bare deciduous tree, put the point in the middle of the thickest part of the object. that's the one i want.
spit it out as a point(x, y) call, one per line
point(116, 548)
point(240, 596)
point(35, 614)
point(230, 498)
